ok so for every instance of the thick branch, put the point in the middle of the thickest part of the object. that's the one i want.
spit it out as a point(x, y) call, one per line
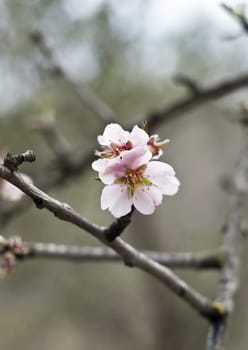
point(130, 255)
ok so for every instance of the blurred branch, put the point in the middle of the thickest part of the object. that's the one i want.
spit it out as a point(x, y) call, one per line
point(205, 95)
point(238, 14)
point(79, 162)
point(12, 161)
point(189, 83)
point(130, 255)
point(229, 276)
point(23, 250)
point(46, 126)
point(93, 102)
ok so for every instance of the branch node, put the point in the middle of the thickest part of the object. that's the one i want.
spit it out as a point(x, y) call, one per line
point(12, 161)
point(38, 202)
point(117, 227)
point(127, 262)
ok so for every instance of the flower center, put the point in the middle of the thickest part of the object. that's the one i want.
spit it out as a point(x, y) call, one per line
point(114, 150)
point(133, 179)
point(155, 144)
point(117, 149)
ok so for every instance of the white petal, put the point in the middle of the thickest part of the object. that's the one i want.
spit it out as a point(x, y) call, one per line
point(138, 137)
point(155, 193)
point(116, 201)
point(107, 177)
point(171, 185)
point(113, 171)
point(113, 132)
point(135, 157)
point(143, 202)
point(163, 176)
point(157, 172)
point(100, 164)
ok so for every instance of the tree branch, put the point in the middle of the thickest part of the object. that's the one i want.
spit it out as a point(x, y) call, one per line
point(204, 95)
point(189, 83)
point(28, 250)
point(239, 15)
point(229, 276)
point(130, 255)
point(93, 102)
point(79, 162)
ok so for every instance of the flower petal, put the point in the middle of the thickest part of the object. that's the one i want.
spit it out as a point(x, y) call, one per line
point(162, 175)
point(134, 158)
point(100, 164)
point(156, 194)
point(113, 132)
point(143, 202)
point(115, 198)
point(138, 137)
point(171, 185)
point(157, 171)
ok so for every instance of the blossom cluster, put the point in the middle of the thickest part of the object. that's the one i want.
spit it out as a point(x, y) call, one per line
point(128, 167)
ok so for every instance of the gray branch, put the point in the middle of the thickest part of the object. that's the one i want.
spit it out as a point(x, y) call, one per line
point(239, 15)
point(79, 162)
point(203, 96)
point(229, 276)
point(129, 254)
point(93, 102)
point(75, 253)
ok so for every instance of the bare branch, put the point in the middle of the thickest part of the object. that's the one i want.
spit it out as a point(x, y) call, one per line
point(238, 14)
point(130, 255)
point(229, 276)
point(188, 260)
point(93, 102)
point(189, 83)
point(13, 161)
point(46, 126)
point(79, 162)
point(205, 95)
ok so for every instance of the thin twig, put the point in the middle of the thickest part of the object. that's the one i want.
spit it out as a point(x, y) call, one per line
point(229, 276)
point(74, 253)
point(205, 95)
point(238, 14)
point(80, 162)
point(189, 83)
point(130, 255)
point(93, 102)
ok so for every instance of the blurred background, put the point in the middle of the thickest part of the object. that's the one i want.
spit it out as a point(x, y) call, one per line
point(127, 54)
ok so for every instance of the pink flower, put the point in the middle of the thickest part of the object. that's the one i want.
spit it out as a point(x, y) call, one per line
point(116, 142)
point(131, 176)
point(133, 183)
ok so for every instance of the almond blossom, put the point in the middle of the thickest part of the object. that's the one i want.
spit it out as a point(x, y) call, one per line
point(133, 179)
point(116, 142)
